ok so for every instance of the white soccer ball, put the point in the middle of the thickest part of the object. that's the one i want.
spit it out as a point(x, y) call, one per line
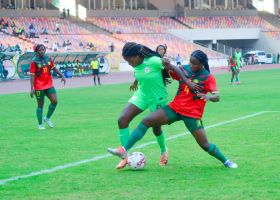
point(136, 160)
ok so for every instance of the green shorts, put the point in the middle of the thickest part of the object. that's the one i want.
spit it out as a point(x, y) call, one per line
point(192, 124)
point(233, 69)
point(40, 94)
point(140, 102)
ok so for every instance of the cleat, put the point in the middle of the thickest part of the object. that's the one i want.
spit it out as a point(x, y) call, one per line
point(49, 122)
point(120, 152)
point(163, 158)
point(122, 164)
point(41, 127)
point(230, 164)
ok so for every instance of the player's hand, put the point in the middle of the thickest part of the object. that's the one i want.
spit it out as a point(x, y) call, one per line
point(134, 86)
point(205, 97)
point(63, 80)
point(32, 92)
point(165, 62)
point(194, 86)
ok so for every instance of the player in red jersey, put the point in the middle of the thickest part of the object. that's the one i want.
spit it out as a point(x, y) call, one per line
point(42, 84)
point(188, 106)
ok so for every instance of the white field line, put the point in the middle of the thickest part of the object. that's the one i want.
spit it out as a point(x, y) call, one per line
point(95, 158)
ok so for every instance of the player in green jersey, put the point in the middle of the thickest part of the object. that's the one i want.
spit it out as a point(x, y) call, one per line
point(151, 92)
point(238, 57)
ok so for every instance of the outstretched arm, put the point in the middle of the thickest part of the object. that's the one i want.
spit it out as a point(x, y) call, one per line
point(193, 86)
point(214, 96)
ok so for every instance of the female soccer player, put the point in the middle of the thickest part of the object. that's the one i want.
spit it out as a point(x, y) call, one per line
point(151, 93)
point(188, 106)
point(42, 84)
point(232, 66)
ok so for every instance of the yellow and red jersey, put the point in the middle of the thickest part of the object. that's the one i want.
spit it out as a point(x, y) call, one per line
point(186, 102)
point(42, 74)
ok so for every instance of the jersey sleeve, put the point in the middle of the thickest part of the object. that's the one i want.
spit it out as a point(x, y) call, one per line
point(173, 75)
point(32, 68)
point(52, 64)
point(210, 84)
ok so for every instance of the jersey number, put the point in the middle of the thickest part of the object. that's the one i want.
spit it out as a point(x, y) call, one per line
point(187, 90)
point(45, 69)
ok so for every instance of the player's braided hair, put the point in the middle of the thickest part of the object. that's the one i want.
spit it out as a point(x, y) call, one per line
point(133, 49)
point(37, 47)
point(202, 57)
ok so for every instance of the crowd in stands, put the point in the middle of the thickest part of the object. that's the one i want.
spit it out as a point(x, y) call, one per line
point(60, 35)
point(136, 25)
point(228, 22)
point(175, 45)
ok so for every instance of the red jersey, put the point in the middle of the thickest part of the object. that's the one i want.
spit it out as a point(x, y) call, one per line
point(186, 102)
point(41, 70)
point(232, 62)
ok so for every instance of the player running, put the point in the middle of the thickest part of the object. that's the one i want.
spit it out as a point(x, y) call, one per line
point(188, 106)
point(42, 84)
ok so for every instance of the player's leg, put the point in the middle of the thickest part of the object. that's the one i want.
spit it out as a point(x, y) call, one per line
point(40, 94)
point(51, 94)
point(232, 75)
point(160, 135)
point(196, 128)
point(153, 119)
point(93, 74)
point(98, 78)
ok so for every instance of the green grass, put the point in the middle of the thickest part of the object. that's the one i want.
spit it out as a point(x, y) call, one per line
point(86, 124)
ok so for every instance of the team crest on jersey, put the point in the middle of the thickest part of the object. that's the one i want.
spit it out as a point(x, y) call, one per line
point(195, 81)
point(147, 70)
point(39, 65)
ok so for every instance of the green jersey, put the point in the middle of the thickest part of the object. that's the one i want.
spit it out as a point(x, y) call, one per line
point(149, 77)
point(238, 59)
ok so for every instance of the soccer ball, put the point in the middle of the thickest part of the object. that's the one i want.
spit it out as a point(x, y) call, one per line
point(136, 160)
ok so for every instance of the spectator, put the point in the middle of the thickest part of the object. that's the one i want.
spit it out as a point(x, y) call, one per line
point(57, 29)
point(179, 59)
point(64, 44)
point(278, 58)
point(68, 43)
point(63, 13)
point(46, 40)
point(2, 47)
point(68, 12)
point(81, 44)
point(44, 31)
point(55, 47)
point(31, 26)
point(112, 47)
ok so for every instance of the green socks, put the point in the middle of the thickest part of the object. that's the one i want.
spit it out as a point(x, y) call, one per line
point(161, 142)
point(136, 135)
point(215, 152)
point(51, 110)
point(123, 135)
point(39, 113)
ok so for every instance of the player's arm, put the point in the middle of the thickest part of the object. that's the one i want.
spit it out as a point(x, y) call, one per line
point(212, 93)
point(58, 72)
point(32, 85)
point(167, 65)
point(32, 78)
point(211, 96)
